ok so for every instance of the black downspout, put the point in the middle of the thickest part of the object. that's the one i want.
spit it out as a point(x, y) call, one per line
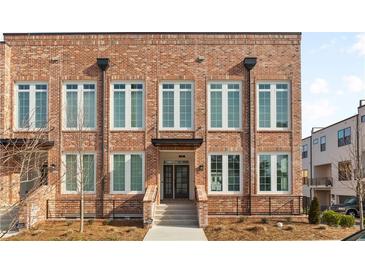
point(249, 63)
point(103, 64)
point(311, 195)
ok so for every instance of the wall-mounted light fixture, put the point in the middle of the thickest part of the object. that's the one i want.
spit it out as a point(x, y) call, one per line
point(199, 59)
point(201, 167)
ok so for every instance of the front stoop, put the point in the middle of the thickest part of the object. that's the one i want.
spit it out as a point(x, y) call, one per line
point(176, 213)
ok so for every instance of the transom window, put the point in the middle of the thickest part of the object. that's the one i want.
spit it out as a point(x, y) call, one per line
point(31, 104)
point(344, 137)
point(225, 173)
point(273, 105)
point(176, 106)
point(225, 105)
point(274, 173)
point(79, 169)
point(127, 105)
point(127, 173)
point(80, 105)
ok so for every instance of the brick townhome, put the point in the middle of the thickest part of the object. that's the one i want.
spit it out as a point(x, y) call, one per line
point(210, 117)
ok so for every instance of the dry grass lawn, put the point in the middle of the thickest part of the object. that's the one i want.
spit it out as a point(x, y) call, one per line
point(246, 230)
point(94, 230)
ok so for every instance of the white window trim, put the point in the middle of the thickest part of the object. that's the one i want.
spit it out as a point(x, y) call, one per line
point(32, 103)
point(80, 102)
point(176, 106)
point(274, 173)
point(225, 173)
point(273, 126)
point(127, 174)
point(225, 105)
point(128, 113)
point(63, 169)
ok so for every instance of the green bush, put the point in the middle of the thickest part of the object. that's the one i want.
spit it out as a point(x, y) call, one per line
point(314, 213)
point(331, 218)
point(347, 221)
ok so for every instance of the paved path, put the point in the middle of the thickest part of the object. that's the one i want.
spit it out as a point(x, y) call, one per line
point(175, 233)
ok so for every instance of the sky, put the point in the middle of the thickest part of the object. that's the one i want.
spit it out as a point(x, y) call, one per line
point(333, 77)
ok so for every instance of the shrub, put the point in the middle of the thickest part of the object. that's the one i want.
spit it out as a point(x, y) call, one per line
point(242, 219)
point(289, 220)
point(347, 221)
point(90, 221)
point(331, 218)
point(264, 220)
point(314, 214)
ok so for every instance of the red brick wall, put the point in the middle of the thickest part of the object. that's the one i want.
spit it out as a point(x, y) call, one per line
point(154, 58)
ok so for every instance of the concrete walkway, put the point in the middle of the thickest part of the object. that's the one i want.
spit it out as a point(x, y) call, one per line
point(175, 233)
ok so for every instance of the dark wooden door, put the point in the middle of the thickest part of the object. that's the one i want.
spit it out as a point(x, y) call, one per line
point(168, 180)
point(182, 181)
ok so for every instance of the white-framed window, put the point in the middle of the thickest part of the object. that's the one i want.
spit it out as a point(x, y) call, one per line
point(31, 106)
point(79, 100)
point(79, 169)
point(176, 106)
point(273, 105)
point(127, 105)
point(225, 105)
point(273, 172)
point(225, 173)
point(127, 172)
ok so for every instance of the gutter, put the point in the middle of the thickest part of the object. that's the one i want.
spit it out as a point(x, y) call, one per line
point(249, 63)
point(103, 64)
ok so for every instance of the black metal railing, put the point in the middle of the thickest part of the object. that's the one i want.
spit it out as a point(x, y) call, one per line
point(96, 208)
point(321, 181)
point(257, 205)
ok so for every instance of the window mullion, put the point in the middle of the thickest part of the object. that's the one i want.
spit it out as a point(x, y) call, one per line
point(274, 173)
point(176, 106)
point(128, 107)
point(32, 109)
point(127, 172)
point(225, 172)
point(224, 106)
point(273, 105)
point(80, 107)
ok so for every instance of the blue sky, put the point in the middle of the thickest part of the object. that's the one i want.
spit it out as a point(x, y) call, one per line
point(333, 77)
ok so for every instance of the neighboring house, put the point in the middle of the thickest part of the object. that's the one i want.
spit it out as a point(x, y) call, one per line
point(329, 159)
point(208, 117)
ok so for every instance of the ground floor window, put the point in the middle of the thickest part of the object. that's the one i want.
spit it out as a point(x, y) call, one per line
point(79, 170)
point(127, 172)
point(225, 173)
point(273, 172)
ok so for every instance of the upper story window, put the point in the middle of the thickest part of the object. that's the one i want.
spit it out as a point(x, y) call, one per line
point(344, 137)
point(273, 106)
point(304, 151)
point(344, 171)
point(225, 173)
point(363, 119)
point(176, 106)
point(274, 173)
point(305, 176)
point(80, 106)
point(127, 105)
point(79, 170)
point(322, 141)
point(224, 108)
point(31, 105)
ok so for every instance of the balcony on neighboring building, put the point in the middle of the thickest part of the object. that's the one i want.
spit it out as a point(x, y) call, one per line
point(321, 181)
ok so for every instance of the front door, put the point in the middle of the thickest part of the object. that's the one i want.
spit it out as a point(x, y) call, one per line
point(168, 175)
point(181, 181)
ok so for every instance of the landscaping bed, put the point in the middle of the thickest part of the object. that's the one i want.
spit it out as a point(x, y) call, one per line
point(265, 230)
point(94, 230)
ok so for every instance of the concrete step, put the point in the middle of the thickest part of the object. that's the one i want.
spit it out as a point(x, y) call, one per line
point(175, 211)
point(175, 217)
point(177, 206)
point(177, 222)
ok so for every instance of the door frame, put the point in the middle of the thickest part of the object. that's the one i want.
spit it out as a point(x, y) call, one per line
point(174, 179)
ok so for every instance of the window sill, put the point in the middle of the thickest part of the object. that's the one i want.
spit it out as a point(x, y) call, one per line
point(233, 193)
point(32, 130)
point(126, 130)
point(225, 131)
point(81, 130)
point(277, 193)
point(274, 130)
point(176, 130)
